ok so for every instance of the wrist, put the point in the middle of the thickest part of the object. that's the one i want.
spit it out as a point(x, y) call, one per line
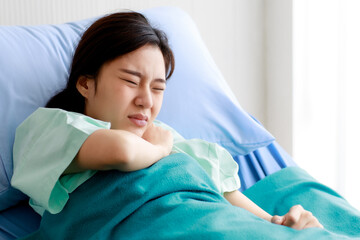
point(268, 218)
point(163, 151)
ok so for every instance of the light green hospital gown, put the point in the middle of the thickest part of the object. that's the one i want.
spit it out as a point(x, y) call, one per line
point(49, 139)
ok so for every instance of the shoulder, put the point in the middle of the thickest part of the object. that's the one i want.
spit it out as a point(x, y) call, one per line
point(46, 124)
point(42, 116)
point(55, 117)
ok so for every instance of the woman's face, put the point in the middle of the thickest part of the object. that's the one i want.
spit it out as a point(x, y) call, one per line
point(129, 90)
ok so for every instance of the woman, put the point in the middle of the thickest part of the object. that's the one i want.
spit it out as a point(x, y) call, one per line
point(114, 93)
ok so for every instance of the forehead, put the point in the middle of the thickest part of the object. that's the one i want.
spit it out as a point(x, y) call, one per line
point(148, 59)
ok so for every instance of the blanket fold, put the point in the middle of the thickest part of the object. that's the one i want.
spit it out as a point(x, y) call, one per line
point(175, 199)
point(280, 191)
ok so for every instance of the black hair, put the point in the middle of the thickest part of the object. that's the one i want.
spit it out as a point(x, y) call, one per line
point(106, 39)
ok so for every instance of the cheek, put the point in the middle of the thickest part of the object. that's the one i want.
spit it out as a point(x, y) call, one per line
point(157, 103)
point(123, 97)
point(105, 100)
point(117, 96)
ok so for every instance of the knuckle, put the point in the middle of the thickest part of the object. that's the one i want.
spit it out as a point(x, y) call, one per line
point(317, 222)
point(308, 214)
point(291, 219)
point(299, 207)
point(294, 208)
point(275, 218)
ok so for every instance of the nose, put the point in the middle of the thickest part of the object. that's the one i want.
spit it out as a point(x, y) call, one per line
point(144, 97)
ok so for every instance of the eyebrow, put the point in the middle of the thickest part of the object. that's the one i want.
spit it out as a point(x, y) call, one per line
point(138, 74)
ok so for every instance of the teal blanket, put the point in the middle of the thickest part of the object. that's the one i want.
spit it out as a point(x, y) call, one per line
point(175, 199)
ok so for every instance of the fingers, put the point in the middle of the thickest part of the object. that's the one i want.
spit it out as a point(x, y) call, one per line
point(277, 219)
point(292, 218)
point(313, 223)
point(160, 137)
point(298, 218)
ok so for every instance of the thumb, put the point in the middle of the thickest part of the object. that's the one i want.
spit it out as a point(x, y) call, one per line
point(277, 219)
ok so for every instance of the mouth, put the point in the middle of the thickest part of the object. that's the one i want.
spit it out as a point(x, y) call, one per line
point(139, 120)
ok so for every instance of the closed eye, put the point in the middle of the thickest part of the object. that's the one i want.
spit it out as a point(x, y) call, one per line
point(129, 81)
point(157, 86)
point(159, 89)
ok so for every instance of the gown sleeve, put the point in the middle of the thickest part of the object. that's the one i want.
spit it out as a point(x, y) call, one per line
point(45, 144)
point(215, 160)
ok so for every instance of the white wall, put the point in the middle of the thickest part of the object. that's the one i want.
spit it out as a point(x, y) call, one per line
point(279, 70)
point(240, 34)
point(326, 96)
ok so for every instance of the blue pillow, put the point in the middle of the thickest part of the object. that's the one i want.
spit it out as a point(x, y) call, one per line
point(198, 102)
point(34, 65)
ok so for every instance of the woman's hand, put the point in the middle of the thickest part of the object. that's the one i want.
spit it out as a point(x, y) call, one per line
point(297, 218)
point(159, 137)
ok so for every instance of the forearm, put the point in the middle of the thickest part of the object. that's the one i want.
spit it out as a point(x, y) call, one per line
point(296, 218)
point(115, 149)
point(238, 199)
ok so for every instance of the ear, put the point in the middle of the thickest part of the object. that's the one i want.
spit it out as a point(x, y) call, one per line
point(85, 86)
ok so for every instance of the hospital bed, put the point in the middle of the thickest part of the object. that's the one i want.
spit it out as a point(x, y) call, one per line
point(198, 103)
